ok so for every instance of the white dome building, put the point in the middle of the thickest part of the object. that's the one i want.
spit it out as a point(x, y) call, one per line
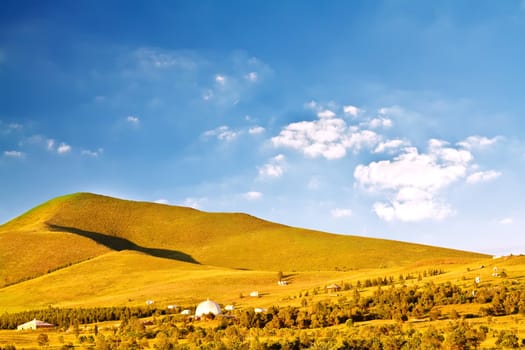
point(208, 307)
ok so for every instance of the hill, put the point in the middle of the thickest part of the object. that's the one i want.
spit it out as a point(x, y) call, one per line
point(77, 227)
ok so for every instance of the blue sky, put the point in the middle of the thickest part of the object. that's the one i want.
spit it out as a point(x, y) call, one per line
point(392, 119)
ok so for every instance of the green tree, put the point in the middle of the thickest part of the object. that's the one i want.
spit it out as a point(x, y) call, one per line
point(43, 339)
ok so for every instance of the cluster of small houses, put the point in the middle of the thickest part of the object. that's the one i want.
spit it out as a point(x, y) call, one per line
point(205, 308)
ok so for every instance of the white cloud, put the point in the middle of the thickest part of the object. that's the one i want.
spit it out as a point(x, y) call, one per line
point(341, 212)
point(351, 110)
point(326, 137)
point(133, 120)
point(256, 130)
point(412, 181)
point(63, 148)
point(252, 195)
point(252, 76)
point(274, 168)
point(207, 95)
point(391, 111)
point(220, 79)
point(380, 123)
point(223, 133)
point(93, 154)
point(412, 211)
point(50, 144)
point(195, 203)
point(11, 127)
point(314, 183)
point(390, 145)
point(163, 59)
point(14, 154)
point(506, 221)
point(311, 105)
point(478, 142)
point(483, 176)
point(161, 201)
point(326, 114)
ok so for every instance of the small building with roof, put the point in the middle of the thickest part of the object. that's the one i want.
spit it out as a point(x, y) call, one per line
point(34, 325)
point(333, 288)
point(208, 307)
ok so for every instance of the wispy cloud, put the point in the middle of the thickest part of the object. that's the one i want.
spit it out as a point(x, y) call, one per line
point(133, 120)
point(252, 195)
point(161, 201)
point(483, 176)
point(7, 128)
point(341, 212)
point(14, 154)
point(478, 142)
point(390, 146)
point(154, 58)
point(93, 154)
point(193, 202)
point(223, 133)
point(252, 77)
point(506, 221)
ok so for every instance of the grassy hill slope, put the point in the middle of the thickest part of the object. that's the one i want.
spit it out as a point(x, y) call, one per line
point(75, 227)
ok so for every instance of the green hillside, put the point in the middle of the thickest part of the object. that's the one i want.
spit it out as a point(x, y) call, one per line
point(77, 227)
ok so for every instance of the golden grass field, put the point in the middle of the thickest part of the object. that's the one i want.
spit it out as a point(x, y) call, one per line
point(86, 250)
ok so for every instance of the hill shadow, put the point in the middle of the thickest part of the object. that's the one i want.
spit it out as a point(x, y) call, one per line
point(119, 244)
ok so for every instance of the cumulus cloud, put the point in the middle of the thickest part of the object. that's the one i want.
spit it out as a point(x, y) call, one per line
point(412, 181)
point(274, 168)
point(256, 130)
point(252, 195)
point(63, 148)
point(223, 133)
point(326, 114)
point(341, 212)
point(327, 137)
point(483, 176)
point(351, 110)
point(14, 154)
point(478, 142)
point(377, 123)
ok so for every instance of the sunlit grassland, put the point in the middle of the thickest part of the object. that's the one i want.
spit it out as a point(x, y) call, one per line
point(50, 236)
point(25, 254)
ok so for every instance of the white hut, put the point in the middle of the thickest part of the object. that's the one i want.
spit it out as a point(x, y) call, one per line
point(34, 324)
point(208, 307)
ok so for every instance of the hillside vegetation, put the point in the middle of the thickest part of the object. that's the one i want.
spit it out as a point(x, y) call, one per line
point(230, 240)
